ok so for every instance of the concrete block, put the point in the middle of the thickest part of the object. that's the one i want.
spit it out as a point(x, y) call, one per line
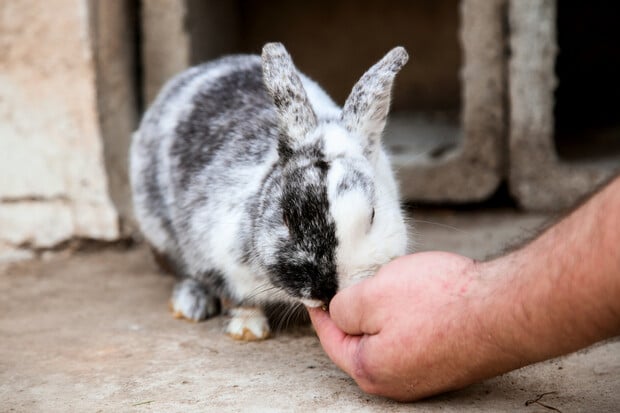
point(114, 36)
point(472, 170)
point(178, 34)
point(53, 183)
point(27, 224)
point(538, 179)
point(165, 43)
point(10, 254)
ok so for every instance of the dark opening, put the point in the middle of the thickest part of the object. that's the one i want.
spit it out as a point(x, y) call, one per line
point(587, 100)
point(134, 11)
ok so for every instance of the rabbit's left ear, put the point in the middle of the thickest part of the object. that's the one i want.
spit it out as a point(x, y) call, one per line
point(280, 76)
point(366, 109)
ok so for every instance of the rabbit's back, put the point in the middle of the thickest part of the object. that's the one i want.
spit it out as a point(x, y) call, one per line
point(201, 151)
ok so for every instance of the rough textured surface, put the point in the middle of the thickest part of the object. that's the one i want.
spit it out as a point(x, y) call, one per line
point(178, 34)
point(538, 180)
point(214, 28)
point(165, 43)
point(52, 176)
point(92, 332)
point(472, 170)
point(114, 44)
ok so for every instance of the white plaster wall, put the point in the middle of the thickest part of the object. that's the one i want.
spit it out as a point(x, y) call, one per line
point(53, 185)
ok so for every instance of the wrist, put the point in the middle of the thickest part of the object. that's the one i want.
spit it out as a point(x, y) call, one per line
point(477, 327)
point(501, 337)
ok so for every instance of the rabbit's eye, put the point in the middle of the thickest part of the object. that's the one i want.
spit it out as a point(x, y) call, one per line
point(372, 216)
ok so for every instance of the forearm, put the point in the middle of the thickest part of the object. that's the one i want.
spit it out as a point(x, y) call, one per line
point(562, 291)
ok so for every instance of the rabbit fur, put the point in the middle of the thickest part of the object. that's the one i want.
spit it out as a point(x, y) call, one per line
point(258, 188)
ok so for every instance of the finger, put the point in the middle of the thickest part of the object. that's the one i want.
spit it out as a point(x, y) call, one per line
point(352, 309)
point(340, 347)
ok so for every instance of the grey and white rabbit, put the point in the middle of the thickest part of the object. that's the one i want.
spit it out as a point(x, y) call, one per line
point(258, 188)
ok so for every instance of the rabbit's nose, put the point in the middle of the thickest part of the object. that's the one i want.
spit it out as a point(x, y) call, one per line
point(325, 299)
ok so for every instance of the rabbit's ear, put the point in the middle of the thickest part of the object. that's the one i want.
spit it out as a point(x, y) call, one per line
point(366, 109)
point(280, 76)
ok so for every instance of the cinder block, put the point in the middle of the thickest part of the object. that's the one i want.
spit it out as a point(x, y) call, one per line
point(538, 179)
point(60, 103)
point(114, 36)
point(472, 170)
point(165, 43)
point(178, 34)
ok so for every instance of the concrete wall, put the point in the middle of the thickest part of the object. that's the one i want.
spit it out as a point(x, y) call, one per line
point(538, 178)
point(54, 111)
point(114, 36)
point(473, 169)
point(178, 34)
point(165, 43)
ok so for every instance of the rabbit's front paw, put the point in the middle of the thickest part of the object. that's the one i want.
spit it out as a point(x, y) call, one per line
point(248, 324)
point(191, 301)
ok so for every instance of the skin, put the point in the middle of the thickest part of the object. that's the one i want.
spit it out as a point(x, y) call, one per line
point(432, 322)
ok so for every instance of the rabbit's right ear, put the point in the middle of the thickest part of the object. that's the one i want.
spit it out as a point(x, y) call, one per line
point(282, 81)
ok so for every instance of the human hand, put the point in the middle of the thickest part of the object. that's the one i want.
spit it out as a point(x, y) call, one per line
point(414, 329)
point(432, 322)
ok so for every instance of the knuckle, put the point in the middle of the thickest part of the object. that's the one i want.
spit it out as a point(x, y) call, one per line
point(368, 387)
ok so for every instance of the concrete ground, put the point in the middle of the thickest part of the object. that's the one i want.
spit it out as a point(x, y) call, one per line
point(92, 332)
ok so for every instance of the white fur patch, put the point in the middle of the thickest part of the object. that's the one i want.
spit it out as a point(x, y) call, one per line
point(322, 104)
point(248, 324)
point(352, 212)
point(364, 246)
point(337, 142)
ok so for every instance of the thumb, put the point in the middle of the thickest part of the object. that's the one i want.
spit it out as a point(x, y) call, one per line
point(339, 346)
point(354, 309)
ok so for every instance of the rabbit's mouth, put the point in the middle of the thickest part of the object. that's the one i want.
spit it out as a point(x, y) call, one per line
point(309, 302)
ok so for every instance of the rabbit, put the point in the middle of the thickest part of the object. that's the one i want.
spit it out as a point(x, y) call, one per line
point(256, 188)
